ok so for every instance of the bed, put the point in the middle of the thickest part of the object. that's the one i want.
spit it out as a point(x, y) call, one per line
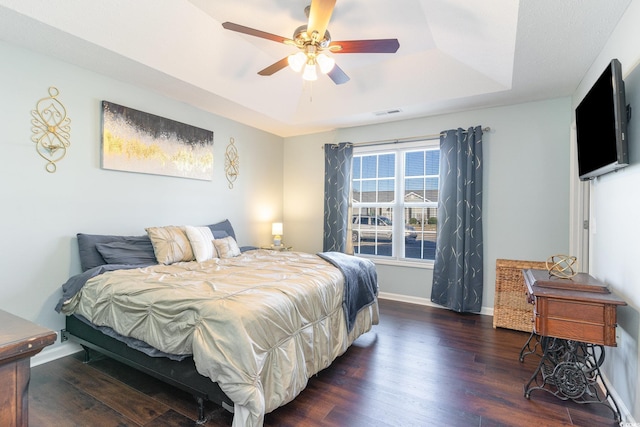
point(242, 327)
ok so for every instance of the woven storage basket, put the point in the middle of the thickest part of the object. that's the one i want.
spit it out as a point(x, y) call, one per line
point(511, 309)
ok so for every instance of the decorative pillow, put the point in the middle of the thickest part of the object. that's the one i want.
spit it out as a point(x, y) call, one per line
point(227, 247)
point(223, 226)
point(219, 234)
point(201, 239)
point(170, 244)
point(133, 252)
point(89, 255)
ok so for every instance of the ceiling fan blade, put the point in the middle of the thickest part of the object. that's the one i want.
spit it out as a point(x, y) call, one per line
point(365, 46)
point(337, 75)
point(256, 33)
point(275, 67)
point(319, 16)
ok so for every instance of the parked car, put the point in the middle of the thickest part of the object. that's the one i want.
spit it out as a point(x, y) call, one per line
point(366, 227)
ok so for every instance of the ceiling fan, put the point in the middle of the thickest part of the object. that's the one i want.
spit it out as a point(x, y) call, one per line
point(312, 40)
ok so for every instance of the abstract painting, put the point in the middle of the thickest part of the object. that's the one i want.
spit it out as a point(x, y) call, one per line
point(135, 141)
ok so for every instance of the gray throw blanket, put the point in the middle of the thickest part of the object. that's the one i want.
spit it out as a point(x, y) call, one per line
point(360, 282)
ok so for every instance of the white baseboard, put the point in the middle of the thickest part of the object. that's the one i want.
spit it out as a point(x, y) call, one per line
point(625, 414)
point(52, 353)
point(423, 301)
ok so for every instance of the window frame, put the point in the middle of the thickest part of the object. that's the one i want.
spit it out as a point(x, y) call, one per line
point(399, 205)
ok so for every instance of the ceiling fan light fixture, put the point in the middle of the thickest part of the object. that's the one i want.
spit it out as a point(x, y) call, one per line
point(311, 39)
point(297, 61)
point(325, 63)
point(310, 73)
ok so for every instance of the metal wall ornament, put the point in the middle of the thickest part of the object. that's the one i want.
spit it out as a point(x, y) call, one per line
point(51, 129)
point(231, 162)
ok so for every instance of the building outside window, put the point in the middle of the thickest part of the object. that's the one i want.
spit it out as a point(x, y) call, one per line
point(395, 199)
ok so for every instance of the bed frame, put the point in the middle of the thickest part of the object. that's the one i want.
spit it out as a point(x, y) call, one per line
point(181, 374)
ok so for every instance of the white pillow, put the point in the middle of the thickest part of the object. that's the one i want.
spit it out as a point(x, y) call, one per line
point(170, 244)
point(227, 247)
point(201, 239)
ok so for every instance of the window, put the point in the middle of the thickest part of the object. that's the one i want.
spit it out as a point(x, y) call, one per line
point(387, 225)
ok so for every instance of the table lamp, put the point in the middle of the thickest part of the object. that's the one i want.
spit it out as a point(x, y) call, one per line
point(276, 230)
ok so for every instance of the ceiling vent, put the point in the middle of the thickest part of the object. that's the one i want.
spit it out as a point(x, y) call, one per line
point(387, 112)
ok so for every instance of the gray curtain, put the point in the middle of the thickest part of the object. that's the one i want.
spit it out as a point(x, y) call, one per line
point(457, 273)
point(337, 194)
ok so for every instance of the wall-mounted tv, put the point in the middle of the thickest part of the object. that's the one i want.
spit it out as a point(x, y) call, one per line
point(601, 126)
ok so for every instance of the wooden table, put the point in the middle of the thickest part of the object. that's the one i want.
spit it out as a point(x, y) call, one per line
point(19, 340)
point(573, 319)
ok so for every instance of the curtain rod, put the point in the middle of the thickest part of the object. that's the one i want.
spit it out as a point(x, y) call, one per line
point(404, 140)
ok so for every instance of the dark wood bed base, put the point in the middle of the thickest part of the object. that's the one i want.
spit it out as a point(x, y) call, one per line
point(181, 374)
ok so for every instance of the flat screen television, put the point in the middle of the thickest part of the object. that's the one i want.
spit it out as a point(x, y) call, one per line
point(601, 126)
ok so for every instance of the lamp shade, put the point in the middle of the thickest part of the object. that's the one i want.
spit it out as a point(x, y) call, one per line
point(309, 72)
point(325, 63)
point(276, 228)
point(297, 61)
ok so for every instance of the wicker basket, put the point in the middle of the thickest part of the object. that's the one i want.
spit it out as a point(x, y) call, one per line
point(511, 309)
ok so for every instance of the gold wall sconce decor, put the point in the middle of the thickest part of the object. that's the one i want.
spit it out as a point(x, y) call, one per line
point(51, 129)
point(231, 162)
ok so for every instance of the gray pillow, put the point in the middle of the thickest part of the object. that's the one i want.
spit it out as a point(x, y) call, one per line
point(222, 226)
point(132, 252)
point(219, 234)
point(89, 255)
point(223, 229)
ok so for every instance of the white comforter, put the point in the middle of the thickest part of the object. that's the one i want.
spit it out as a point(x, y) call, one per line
point(259, 324)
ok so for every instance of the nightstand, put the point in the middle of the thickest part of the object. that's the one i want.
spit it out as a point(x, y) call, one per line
point(281, 248)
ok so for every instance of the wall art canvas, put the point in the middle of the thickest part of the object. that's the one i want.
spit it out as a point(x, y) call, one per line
point(135, 141)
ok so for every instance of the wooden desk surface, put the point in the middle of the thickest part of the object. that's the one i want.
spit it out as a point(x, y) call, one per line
point(22, 338)
point(539, 284)
point(19, 340)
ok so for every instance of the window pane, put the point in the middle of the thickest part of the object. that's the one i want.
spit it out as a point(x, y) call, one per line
point(414, 163)
point(414, 190)
point(369, 166)
point(421, 172)
point(431, 190)
point(433, 162)
point(356, 191)
point(355, 168)
point(420, 233)
point(386, 166)
point(368, 191)
point(372, 233)
point(376, 180)
point(386, 185)
point(386, 190)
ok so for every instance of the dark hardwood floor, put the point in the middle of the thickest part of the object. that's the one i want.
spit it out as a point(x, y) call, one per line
point(421, 366)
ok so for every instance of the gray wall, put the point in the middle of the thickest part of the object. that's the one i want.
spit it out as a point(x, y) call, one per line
point(526, 196)
point(42, 212)
point(615, 204)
